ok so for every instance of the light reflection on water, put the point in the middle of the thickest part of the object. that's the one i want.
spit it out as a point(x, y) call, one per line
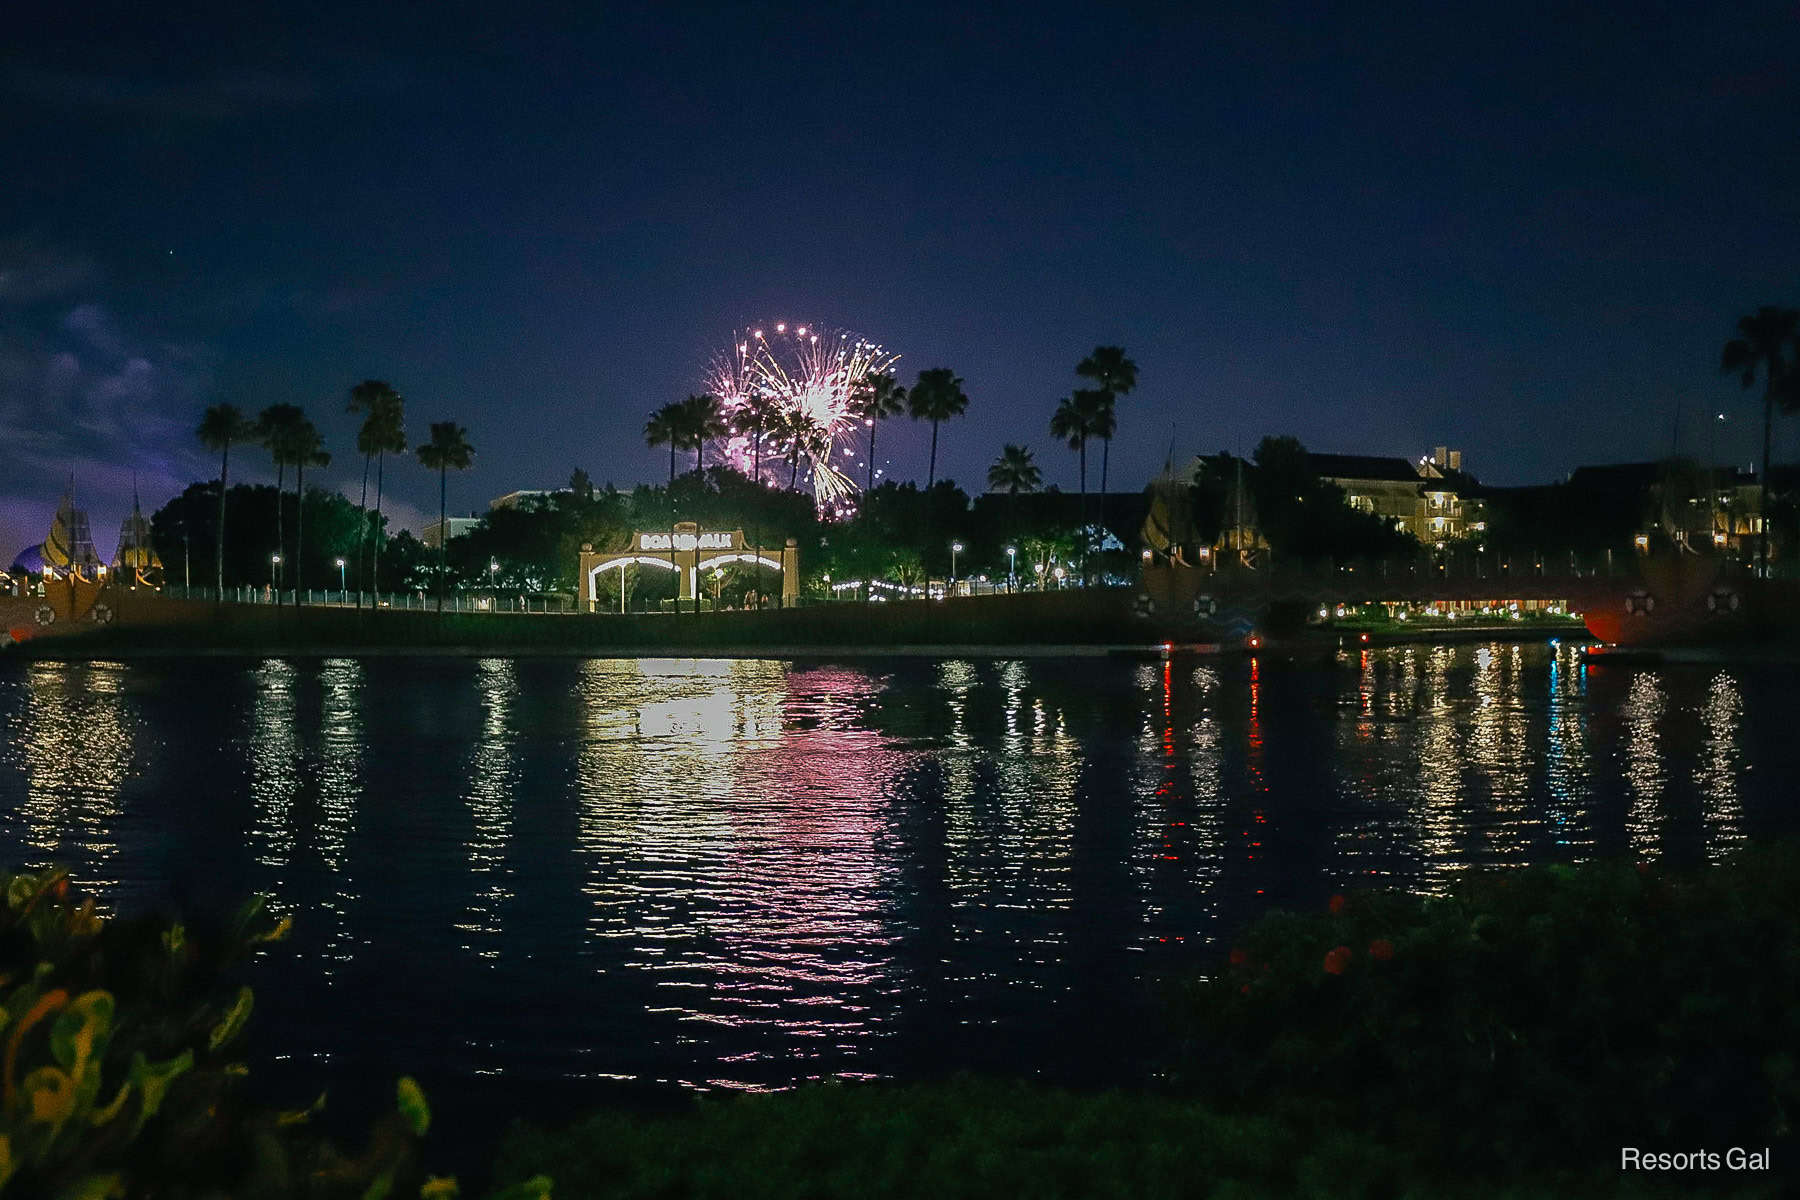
point(742, 874)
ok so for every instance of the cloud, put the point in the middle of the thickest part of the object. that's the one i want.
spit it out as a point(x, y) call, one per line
point(85, 395)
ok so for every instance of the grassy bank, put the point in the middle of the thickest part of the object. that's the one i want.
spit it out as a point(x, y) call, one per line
point(159, 626)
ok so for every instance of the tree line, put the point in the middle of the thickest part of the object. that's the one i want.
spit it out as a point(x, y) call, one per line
point(291, 439)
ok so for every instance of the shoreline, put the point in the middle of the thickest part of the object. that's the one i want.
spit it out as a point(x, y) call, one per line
point(1315, 644)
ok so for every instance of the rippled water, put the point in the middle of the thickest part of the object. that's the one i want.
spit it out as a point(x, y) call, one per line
point(524, 878)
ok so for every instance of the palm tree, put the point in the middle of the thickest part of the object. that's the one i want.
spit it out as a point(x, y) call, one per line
point(1763, 346)
point(1078, 418)
point(222, 425)
point(308, 449)
point(383, 433)
point(756, 416)
point(803, 434)
point(937, 396)
point(278, 428)
point(448, 448)
point(1115, 375)
point(704, 417)
point(877, 398)
point(667, 427)
point(1014, 471)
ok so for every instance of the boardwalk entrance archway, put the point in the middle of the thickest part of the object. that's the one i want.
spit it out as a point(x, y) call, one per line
point(688, 550)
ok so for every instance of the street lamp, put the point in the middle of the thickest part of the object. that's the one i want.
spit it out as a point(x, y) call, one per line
point(274, 571)
point(1059, 576)
point(955, 549)
point(343, 585)
point(1012, 567)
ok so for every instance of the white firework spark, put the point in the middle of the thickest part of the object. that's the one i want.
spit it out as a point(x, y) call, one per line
point(810, 376)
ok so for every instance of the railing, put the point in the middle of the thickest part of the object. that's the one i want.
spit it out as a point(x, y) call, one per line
point(462, 602)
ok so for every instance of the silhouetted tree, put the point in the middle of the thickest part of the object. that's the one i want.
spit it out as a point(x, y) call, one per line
point(383, 432)
point(877, 398)
point(936, 396)
point(448, 449)
point(1765, 346)
point(222, 425)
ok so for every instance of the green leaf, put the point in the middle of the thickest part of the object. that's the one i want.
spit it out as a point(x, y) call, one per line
point(80, 1031)
point(153, 1080)
point(536, 1188)
point(19, 891)
point(94, 1187)
point(380, 1187)
point(233, 1024)
point(413, 1106)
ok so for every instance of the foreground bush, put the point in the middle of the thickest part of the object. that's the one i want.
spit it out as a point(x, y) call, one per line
point(978, 1140)
point(120, 1075)
point(1506, 1040)
point(1535, 1018)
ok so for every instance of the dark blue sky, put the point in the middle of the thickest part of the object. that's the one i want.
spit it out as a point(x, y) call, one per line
point(1524, 231)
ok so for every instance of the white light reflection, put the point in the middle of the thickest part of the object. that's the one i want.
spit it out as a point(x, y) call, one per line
point(492, 777)
point(75, 746)
point(339, 783)
point(1644, 776)
point(1716, 775)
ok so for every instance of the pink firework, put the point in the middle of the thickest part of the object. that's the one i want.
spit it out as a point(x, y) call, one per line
point(807, 378)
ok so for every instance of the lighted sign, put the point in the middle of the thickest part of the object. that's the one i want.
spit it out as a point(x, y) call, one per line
point(687, 541)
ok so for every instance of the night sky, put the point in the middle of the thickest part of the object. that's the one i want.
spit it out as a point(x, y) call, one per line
point(1521, 231)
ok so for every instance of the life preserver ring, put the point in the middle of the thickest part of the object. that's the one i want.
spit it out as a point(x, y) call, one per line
point(101, 614)
point(45, 615)
point(1640, 604)
point(1722, 601)
point(1205, 606)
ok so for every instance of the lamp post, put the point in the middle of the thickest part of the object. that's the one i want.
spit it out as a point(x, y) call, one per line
point(274, 572)
point(955, 549)
point(343, 584)
point(494, 598)
point(1012, 568)
point(1059, 572)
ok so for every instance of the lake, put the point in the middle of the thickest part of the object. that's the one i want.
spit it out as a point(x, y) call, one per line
point(543, 883)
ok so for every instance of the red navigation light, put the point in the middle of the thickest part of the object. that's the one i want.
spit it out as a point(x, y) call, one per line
point(1255, 642)
point(1365, 637)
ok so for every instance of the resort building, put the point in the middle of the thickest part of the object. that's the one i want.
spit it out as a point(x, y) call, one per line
point(433, 534)
point(1431, 499)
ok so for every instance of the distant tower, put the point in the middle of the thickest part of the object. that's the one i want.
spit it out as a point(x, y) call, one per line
point(70, 546)
point(137, 551)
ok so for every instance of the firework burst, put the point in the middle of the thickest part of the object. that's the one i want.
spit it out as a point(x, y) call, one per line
point(805, 379)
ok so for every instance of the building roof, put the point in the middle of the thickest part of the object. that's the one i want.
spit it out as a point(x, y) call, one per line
point(1363, 466)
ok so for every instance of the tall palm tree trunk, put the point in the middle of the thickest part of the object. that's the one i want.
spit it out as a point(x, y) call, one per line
point(443, 535)
point(931, 472)
point(375, 538)
point(870, 486)
point(299, 531)
point(1762, 541)
point(362, 534)
point(280, 540)
point(1083, 517)
point(219, 548)
point(674, 566)
point(1105, 454)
